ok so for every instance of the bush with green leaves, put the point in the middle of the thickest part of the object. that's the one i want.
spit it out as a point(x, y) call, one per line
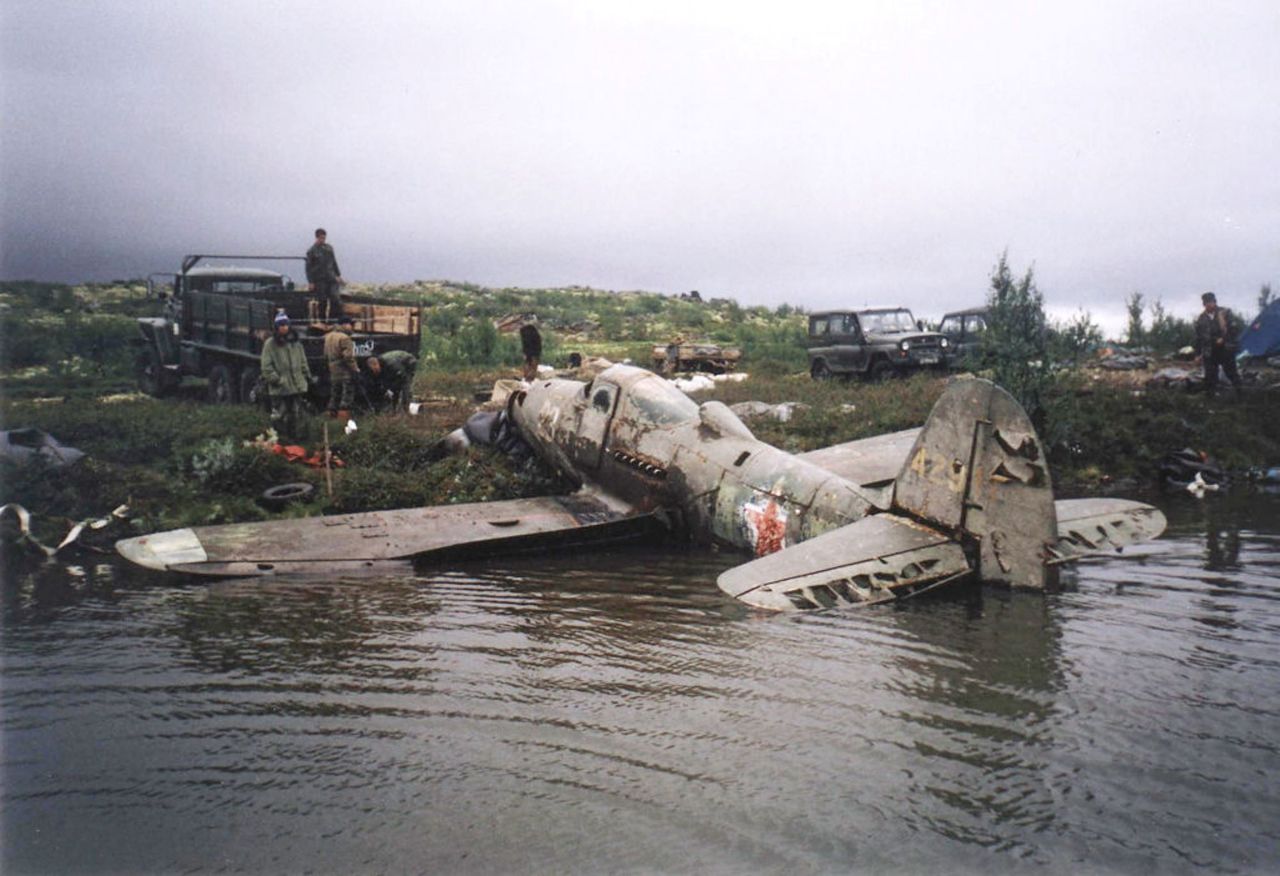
point(1015, 346)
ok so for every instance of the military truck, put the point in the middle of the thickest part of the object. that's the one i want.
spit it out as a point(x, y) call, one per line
point(216, 318)
point(872, 343)
point(681, 357)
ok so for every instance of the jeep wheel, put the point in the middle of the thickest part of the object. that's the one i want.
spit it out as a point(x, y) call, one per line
point(820, 371)
point(150, 373)
point(882, 370)
point(223, 389)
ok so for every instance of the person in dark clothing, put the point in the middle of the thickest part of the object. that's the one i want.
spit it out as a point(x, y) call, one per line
point(1217, 341)
point(393, 376)
point(531, 346)
point(323, 276)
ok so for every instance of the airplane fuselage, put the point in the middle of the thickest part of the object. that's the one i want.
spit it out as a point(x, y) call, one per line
point(637, 437)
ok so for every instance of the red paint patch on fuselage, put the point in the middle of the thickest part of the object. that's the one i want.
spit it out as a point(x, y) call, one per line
point(767, 525)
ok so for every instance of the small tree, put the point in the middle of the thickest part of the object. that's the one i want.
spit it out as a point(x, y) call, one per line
point(1137, 334)
point(1015, 345)
point(1076, 338)
point(1168, 333)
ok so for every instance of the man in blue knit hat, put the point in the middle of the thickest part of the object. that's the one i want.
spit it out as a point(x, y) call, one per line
point(287, 376)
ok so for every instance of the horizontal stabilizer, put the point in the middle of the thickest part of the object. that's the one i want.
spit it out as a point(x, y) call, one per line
point(874, 559)
point(347, 542)
point(1098, 526)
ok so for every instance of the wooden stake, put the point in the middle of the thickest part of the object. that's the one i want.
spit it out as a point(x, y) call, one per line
point(328, 469)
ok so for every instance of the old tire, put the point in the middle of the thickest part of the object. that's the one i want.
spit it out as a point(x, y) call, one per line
point(150, 373)
point(252, 392)
point(820, 371)
point(279, 496)
point(223, 388)
point(882, 370)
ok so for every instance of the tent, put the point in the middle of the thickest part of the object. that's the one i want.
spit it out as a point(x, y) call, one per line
point(1262, 337)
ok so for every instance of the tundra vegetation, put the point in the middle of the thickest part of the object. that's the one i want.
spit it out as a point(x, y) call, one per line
point(66, 359)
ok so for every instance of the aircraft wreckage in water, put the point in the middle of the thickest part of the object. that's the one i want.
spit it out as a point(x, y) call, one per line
point(968, 494)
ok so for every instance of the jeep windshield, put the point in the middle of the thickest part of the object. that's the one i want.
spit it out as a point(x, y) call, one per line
point(885, 321)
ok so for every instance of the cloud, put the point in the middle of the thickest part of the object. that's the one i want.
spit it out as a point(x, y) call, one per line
point(814, 153)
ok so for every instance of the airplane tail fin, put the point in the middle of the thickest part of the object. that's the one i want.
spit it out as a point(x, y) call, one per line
point(973, 496)
point(978, 471)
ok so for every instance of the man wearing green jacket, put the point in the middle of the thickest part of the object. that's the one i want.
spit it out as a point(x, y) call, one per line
point(285, 372)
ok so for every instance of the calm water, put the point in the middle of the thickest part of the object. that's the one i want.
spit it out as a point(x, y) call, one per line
point(606, 713)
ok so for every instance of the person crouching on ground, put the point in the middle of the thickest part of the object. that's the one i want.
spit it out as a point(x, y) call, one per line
point(393, 372)
point(340, 354)
point(1217, 340)
point(287, 377)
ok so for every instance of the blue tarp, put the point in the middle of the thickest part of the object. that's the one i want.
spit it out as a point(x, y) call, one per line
point(1262, 337)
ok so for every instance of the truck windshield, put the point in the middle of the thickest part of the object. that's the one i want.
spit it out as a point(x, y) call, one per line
point(888, 321)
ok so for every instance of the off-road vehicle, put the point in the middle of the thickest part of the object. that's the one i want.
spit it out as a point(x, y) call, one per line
point(873, 343)
point(964, 329)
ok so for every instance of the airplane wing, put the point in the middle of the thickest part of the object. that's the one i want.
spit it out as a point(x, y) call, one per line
point(868, 462)
point(875, 559)
point(348, 542)
point(1096, 526)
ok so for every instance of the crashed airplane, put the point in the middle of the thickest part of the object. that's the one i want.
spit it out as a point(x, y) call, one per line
point(966, 495)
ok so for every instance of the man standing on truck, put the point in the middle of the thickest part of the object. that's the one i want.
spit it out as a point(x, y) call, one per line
point(1217, 340)
point(340, 353)
point(323, 275)
point(285, 372)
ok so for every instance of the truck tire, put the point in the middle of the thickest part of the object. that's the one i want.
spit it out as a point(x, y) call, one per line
point(881, 370)
point(150, 373)
point(223, 387)
point(820, 371)
point(276, 498)
point(252, 392)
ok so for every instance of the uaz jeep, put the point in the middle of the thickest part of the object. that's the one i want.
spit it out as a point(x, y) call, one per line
point(875, 344)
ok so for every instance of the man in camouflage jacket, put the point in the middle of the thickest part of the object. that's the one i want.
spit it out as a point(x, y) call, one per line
point(340, 354)
point(1217, 340)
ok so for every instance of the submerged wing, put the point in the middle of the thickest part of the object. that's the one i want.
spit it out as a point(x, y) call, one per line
point(1098, 526)
point(868, 462)
point(353, 541)
point(874, 559)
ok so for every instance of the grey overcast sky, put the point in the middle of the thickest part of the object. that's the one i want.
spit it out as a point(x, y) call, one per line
point(813, 153)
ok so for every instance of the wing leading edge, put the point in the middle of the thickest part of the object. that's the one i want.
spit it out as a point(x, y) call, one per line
point(354, 541)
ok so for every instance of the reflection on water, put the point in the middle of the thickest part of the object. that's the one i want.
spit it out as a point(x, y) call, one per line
point(614, 712)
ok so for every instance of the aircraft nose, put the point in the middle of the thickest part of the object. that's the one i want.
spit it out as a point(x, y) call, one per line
point(163, 549)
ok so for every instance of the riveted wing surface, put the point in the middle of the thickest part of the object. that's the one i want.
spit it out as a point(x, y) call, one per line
point(349, 541)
